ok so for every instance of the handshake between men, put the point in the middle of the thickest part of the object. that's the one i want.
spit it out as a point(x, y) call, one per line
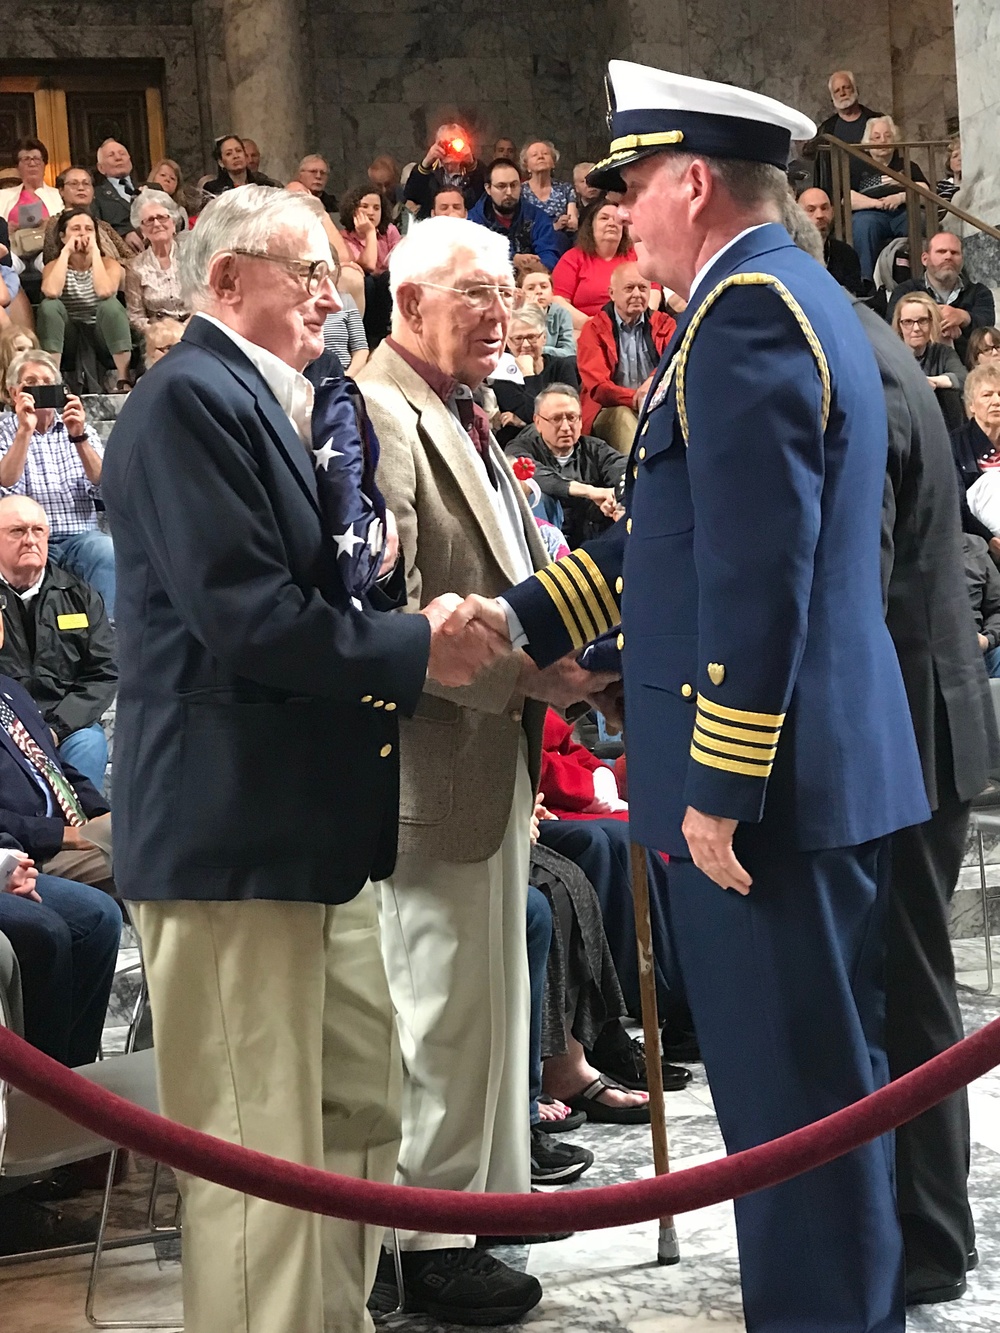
point(466, 636)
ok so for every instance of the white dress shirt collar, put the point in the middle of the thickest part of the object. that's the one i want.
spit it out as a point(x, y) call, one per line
point(292, 390)
point(703, 271)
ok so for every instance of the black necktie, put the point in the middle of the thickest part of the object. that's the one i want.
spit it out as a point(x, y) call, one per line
point(477, 427)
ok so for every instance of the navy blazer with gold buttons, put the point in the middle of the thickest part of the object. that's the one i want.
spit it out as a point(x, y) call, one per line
point(761, 683)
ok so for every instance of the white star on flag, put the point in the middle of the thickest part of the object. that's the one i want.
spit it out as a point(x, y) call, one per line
point(347, 541)
point(325, 456)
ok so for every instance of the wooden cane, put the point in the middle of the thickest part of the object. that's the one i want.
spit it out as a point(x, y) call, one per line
point(667, 1249)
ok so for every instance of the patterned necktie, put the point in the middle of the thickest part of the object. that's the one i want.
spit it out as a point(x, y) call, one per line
point(53, 775)
point(477, 427)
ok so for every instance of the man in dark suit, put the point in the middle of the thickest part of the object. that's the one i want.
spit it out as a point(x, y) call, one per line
point(115, 190)
point(256, 762)
point(935, 636)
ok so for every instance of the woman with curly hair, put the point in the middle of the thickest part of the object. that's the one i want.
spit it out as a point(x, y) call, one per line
point(370, 234)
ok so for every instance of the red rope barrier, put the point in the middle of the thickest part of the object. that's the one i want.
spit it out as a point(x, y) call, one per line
point(446, 1211)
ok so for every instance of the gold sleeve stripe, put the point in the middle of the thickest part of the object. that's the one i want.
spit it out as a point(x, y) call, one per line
point(751, 280)
point(728, 765)
point(729, 747)
point(709, 724)
point(599, 583)
point(561, 576)
point(571, 568)
point(566, 615)
point(771, 720)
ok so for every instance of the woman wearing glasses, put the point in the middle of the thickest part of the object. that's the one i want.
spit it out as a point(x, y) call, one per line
point(918, 323)
point(983, 348)
point(526, 339)
point(32, 159)
point(152, 282)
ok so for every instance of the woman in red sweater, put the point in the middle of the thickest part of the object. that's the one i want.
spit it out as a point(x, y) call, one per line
point(582, 277)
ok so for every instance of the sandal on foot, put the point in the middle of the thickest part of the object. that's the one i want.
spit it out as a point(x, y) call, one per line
point(600, 1112)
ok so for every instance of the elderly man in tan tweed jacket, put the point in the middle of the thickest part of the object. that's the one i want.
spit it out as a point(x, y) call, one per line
point(453, 913)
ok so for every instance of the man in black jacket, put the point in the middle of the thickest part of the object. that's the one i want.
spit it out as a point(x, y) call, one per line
point(579, 471)
point(841, 259)
point(115, 190)
point(964, 305)
point(58, 642)
point(935, 637)
point(983, 582)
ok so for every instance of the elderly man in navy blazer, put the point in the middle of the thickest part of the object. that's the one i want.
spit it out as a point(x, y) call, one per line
point(769, 740)
point(256, 757)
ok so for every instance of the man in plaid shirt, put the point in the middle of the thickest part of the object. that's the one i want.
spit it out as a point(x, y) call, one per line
point(56, 458)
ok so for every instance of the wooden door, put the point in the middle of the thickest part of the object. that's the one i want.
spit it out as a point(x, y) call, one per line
point(96, 116)
point(17, 121)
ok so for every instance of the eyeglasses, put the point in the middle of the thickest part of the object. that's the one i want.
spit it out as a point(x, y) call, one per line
point(313, 273)
point(150, 218)
point(992, 350)
point(525, 337)
point(924, 322)
point(570, 418)
point(481, 296)
point(31, 160)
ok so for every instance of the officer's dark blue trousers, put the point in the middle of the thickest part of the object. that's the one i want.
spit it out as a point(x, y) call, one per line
point(786, 988)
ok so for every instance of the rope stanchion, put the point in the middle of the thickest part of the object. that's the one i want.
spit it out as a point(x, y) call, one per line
point(405, 1207)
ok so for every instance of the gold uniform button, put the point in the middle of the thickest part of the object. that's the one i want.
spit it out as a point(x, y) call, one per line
point(642, 453)
point(628, 525)
point(390, 708)
point(621, 642)
point(379, 703)
point(366, 698)
point(686, 691)
point(385, 751)
point(619, 584)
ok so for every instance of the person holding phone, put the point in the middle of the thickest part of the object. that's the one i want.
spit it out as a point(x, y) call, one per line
point(48, 452)
point(450, 160)
point(80, 287)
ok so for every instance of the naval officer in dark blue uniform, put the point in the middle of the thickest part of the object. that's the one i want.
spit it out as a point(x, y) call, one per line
point(769, 741)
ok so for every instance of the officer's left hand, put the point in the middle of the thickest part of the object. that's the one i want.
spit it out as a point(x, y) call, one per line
point(710, 842)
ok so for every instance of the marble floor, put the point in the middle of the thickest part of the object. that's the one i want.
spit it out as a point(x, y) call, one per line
point(595, 1282)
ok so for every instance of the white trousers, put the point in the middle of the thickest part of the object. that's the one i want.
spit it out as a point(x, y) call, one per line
point(273, 1029)
point(455, 949)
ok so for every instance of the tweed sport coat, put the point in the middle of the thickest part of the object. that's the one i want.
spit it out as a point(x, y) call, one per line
point(458, 753)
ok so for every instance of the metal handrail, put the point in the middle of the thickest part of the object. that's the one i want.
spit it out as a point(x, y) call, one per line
point(917, 196)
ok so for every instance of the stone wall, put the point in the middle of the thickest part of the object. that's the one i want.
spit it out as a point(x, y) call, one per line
point(381, 74)
point(977, 39)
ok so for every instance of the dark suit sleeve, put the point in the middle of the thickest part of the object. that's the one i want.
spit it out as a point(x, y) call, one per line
point(900, 441)
point(194, 490)
point(95, 685)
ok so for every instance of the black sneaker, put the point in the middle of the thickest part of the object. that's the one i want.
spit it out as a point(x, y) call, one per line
point(554, 1162)
point(458, 1287)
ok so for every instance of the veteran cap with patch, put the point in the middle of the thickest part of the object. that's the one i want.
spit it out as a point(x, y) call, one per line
point(652, 111)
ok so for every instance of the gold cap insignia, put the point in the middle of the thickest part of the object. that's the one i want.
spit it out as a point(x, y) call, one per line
point(716, 673)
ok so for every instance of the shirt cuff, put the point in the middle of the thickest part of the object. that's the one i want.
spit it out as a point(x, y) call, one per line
point(518, 638)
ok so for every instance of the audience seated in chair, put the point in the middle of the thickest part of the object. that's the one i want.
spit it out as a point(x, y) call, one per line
point(13, 340)
point(234, 167)
point(536, 289)
point(370, 239)
point(585, 194)
point(983, 348)
point(917, 320)
point(582, 473)
point(161, 335)
point(115, 190)
point(57, 641)
point(449, 202)
point(80, 306)
point(450, 160)
point(840, 258)
point(963, 305)
point(617, 352)
point(582, 277)
point(976, 449)
point(76, 185)
point(505, 210)
point(56, 459)
point(313, 173)
point(879, 202)
point(527, 334)
point(167, 176)
point(848, 122)
point(556, 199)
point(983, 579)
point(152, 280)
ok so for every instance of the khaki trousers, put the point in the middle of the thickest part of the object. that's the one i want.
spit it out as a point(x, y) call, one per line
point(273, 1029)
point(456, 956)
point(88, 865)
point(616, 426)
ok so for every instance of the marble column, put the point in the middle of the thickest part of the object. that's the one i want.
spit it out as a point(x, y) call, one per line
point(977, 40)
point(267, 78)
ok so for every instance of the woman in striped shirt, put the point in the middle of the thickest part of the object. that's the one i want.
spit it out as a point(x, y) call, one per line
point(81, 287)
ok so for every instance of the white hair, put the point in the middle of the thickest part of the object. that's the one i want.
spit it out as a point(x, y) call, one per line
point(844, 74)
point(244, 219)
point(530, 144)
point(313, 157)
point(429, 249)
point(151, 195)
point(31, 356)
point(532, 315)
point(881, 120)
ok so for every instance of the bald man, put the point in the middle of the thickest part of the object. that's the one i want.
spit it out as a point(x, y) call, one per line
point(841, 259)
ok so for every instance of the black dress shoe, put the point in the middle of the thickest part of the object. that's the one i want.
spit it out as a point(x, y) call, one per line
point(935, 1295)
point(26, 1226)
point(468, 1287)
point(623, 1058)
